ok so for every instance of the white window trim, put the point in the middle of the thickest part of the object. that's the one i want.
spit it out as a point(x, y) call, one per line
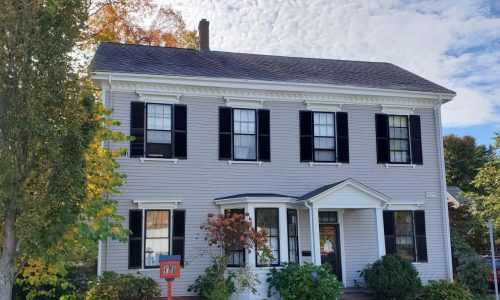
point(323, 106)
point(241, 102)
point(161, 98)
point(245, 162)
point(391, 165)
point(316, 163)
point(152, 204)
point(171, 160)
point(397, 110)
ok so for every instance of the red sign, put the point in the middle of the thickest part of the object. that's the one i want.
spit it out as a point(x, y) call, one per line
point(170, 269)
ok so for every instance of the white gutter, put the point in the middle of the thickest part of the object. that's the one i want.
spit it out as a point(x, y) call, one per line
point(99, 243)
point(442, 177)
point(311, 231)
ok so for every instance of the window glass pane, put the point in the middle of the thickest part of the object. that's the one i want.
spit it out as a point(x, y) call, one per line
point(399, 139)
point(159, 137)
point(324, 155)
point(244, 147)
point(157, 236)
point(159, 116)
point(244, 121)
point(268, 219)
point(324, 143)
point(403, 225)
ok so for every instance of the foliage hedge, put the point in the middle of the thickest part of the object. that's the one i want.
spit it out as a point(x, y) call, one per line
point(212, 286)
point(112, 286)
point(444, 290)
point(392, 277)
point(306, 282)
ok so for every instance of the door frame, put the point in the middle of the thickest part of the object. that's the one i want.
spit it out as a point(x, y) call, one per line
point(339, 250)
point(317, 254)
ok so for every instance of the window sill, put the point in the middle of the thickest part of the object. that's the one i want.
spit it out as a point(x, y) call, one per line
point(413, 166)
point(311, 164)
point(244, 162)
point(171, 160)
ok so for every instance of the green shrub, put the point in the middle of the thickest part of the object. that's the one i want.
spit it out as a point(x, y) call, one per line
point(470, 269)
point(112, 286)
point(392, 277)
point(306, 282)
point(444, 290)
point(213, 286)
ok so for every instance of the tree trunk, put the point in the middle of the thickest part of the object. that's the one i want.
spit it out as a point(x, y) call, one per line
point(8, 259)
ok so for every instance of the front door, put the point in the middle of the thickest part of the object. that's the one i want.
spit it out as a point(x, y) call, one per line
point(330, 242)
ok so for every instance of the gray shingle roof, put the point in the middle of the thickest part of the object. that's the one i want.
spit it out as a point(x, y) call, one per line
point(254, 195)
point(137, 59)
point(456, 193)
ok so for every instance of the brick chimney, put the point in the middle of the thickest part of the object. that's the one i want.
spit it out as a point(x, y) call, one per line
point(204, 35)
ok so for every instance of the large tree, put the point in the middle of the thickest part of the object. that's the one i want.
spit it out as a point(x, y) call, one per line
point(45, 128)
point(463, 158)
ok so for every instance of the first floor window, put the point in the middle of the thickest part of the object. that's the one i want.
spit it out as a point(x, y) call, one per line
point(293, 236)
point(405, 234)
point(153, 234)
point(157, 236)
point(236, 257)
point(268, 219)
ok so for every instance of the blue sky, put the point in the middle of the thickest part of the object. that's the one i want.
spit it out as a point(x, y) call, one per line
point(455, 43)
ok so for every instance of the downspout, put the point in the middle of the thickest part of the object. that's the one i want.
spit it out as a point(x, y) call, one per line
point(99, 243)
point(311, 231)
point(442, 177)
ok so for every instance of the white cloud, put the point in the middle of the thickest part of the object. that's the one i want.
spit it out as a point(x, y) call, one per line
point(454, 42)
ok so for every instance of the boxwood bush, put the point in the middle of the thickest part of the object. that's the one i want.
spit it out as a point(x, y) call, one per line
point(112, 286)
point(306, 282)
point(444, 290)
point(392, 277)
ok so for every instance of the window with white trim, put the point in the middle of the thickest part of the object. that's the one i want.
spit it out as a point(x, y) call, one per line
point(324, 137)
point(156, 237)
point(268, 219)
point(399, 140)
point(159, 130)
point(244, 134)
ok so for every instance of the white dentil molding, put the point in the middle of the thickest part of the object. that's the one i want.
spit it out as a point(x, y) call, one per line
point(265, 90)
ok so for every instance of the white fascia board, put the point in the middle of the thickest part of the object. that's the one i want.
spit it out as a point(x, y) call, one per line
point(106, 77)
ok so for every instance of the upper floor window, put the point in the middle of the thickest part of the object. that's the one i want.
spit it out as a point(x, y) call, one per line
point(244, 134)
point(405, 234)
point(324, 137)
point(398, 139)
point(159, 130)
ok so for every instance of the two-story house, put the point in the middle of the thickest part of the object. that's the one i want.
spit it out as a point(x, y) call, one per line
point(341, 161)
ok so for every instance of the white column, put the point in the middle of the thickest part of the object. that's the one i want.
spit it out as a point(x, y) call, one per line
point(379, 217)
point(283, 235)
point(251, 254)
point(315, 225)
point(342, 248)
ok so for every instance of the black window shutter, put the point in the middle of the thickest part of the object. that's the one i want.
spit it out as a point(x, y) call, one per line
point(178, 233)
point(264, 135)
point(419, 217)
point(137, 129)
point(342, 137)
point(390, 239)
point(135, 239)
point(306, 135)
point(180, 131)
point(416, 140)
point(225, 133)
point(382, 133)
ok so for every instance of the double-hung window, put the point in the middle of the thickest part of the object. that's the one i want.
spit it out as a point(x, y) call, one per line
point(236, 257)
point(244, 134)
point(268, 219)
point(154, 233)
point(159, 130)
point(405, 234)
point(293, 236)
point(324, 137)
point(398, 139)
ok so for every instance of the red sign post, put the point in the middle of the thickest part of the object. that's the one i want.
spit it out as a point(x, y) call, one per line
point(170, 268)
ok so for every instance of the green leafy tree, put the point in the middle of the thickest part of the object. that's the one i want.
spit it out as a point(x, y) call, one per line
point(487, 180)
point(45, 129)
point(463, 158)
